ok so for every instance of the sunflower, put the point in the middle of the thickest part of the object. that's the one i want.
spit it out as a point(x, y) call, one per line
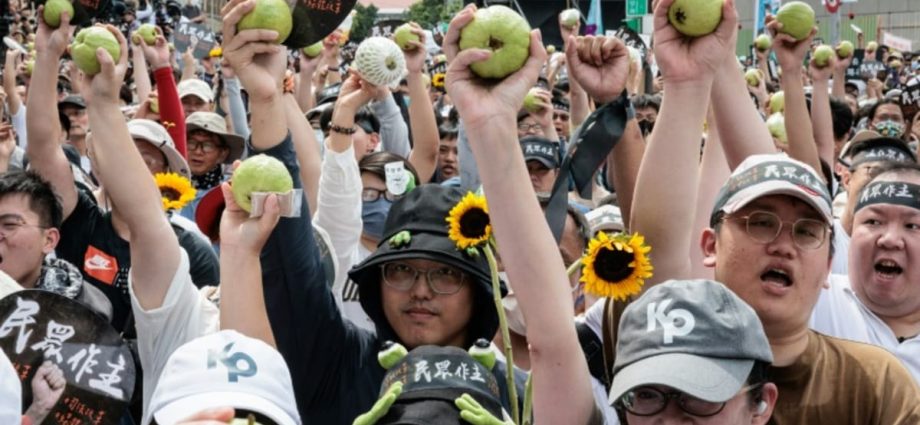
point(616, 266)
point(175, 190)
point(469, 221)
point(437, 80)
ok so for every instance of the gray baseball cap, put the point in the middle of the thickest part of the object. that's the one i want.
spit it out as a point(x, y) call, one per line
point(695, 336)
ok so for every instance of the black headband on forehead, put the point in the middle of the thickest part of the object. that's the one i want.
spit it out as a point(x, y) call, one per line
point(896, 193)
point(886, 153)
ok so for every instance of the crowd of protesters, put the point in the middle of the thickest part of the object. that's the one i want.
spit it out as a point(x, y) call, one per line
point(769, 278)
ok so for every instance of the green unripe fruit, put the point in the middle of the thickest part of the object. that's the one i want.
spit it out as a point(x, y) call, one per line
point(54, 9)
point(798, 19)
point(695, 18)
point(272, 15)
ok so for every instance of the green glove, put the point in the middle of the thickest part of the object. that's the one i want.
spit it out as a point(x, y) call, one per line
point(472, 412)
point(381, 407)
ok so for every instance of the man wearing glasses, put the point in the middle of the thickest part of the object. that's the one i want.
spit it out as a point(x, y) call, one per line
point(692, 348)
point(210, 146)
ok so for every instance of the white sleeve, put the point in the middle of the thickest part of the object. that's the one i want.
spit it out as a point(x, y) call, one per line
point(19, 124)
point(837, 313)
point(594, 317)
point(338, 209)
point(184, 315)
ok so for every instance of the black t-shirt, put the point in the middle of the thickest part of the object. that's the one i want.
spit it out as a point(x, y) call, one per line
point(89, 241)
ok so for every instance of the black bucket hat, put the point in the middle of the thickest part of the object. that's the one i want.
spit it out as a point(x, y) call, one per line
point(423, 213)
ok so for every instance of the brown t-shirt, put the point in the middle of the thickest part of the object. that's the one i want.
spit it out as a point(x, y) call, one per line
point(843, 382)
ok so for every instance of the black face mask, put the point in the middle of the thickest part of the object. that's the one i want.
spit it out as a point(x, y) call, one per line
point(646, 127)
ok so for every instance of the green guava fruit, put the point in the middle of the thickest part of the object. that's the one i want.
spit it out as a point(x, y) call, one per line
point(403, 35)
point(505, 33)
point(844, 49)
point(532, 102)
point(550, 49)
point(272, 15)
point(823, 54)
point(30, 65)
point(777, 126)
point(148, 33)
point(753, 77)
point(53, 11)
point(154, 105)
point(569, 18)
point(695, 18)
point(260, 173)
point(88, 40)
point(798, 19)
point(313, 50)
point(777, 102)
point(763, 42)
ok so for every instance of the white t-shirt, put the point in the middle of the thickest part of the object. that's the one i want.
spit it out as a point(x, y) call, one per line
point(839, 313)
point(840, 262)
point(185, 314)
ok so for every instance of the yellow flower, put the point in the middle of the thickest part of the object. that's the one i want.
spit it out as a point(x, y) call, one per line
point(437, 81)
point(216, 52)
point(176, 191)
point(469, 221)
point(616, 266)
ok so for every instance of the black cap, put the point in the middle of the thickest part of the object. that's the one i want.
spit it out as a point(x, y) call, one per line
point(542, 150)
point(75, 100)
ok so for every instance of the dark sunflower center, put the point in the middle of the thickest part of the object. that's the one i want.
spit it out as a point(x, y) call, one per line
point(473, 223)
point(612, 265)
point(170, 193)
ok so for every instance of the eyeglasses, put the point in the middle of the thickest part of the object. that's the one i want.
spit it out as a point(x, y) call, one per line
point(10, 225)
point(206, 147)
point(370, 194)
point(442, 281)
point(527, 127)
point(561, 117)
point(764, 227)
point(648, 401)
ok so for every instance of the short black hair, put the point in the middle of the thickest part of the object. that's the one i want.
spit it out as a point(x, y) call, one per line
point(448, 131)
point(375, 164)
point(842, 116)
point(895, 167)
point(647, 101)
point(42, 199)
point(874, 108)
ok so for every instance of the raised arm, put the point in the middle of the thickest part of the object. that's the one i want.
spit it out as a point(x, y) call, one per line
point(13, 101)
point(155, 249)
point(171, 114)
point(562, 389)
point(659, 208)
point(242, 303)
point(791, 55)
point(44, 127)
point(139, 72)
point(424, 155)
point(304, 89)
point(821, 120)
point(840, 76)
point(578, 98)
point(305, 145)
point(741, 128)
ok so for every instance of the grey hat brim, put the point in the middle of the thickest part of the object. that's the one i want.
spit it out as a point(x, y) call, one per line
point(707, 378)
point(234, 142)
point(552, 165)
point(746, 196)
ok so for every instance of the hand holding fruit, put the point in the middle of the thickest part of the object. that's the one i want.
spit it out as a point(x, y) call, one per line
point(599, 64)
point(53, 41)
point(539, 104)
point(156, 52)
point(354, 93)
point(258, 60)
point(790, 52)
point(684, 59)
point(823, 63)
point(476, 100)
point(566, 30)
point(413, 47)
point(308, 64)
point(237, 229)
point(104, 85)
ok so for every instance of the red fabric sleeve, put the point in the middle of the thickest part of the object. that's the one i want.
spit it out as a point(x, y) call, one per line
point(171, 114)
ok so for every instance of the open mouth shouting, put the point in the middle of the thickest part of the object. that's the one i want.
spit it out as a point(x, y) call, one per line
point(888, 269)
point(776, 279)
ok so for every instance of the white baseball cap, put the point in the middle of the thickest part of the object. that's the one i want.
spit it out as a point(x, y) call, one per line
point(10, 392)
point(224, 369)
point(151, 131)
point(197, 88)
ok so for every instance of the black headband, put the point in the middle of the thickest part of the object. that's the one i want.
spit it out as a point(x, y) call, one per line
point(897, 193)
point(881, 154)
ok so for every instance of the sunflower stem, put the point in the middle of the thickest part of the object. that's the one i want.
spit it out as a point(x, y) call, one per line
point(506, 336)
point(575, 266)
point(528, 401)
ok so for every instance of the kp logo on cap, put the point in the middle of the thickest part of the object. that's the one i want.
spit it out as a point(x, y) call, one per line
point(670, 321)
point(233, 362)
